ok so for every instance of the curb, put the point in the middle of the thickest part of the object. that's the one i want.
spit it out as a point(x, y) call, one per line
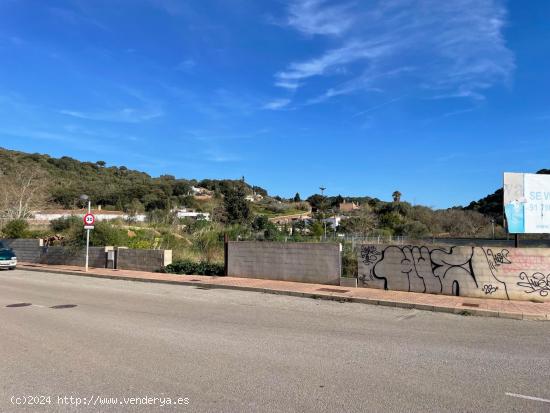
point(328, 297)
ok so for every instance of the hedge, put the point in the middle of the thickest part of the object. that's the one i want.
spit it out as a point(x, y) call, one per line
point(194, 268)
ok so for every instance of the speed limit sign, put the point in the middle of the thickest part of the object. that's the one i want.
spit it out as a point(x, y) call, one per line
point(89, 220)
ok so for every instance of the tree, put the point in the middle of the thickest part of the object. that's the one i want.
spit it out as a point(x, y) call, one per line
point(297, 197)
point(361, 224)
point(22, 191)
point(316, 228)
point(396, 196)
point(16, 229)
point(317, 202)
point(101, 163)
point(236, 206)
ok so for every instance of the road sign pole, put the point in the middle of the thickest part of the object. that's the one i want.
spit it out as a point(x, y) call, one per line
point(88, 236)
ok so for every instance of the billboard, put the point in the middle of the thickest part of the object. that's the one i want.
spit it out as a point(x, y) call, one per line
point(527, 203)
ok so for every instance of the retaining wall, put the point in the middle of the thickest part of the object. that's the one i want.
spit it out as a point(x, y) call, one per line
point(65, 256)
point(28, 250)
point(142, 260)
point(31, 250)
point(470, 271)
point(302, 262)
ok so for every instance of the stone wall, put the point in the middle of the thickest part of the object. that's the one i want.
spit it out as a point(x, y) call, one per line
point(302, 262)
point(142, 260)
point(470, 271)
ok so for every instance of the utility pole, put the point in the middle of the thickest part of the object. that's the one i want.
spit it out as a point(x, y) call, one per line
point(493, 225)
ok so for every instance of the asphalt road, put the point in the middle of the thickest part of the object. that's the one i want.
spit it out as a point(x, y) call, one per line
point(236, 351)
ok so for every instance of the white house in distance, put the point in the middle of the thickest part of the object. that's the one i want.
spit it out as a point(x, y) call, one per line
point(254, 197)
point(100, 215)
point(190, 213)
point(334, 221)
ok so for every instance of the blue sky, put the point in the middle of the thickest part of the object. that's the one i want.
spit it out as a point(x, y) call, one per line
point(433, 98)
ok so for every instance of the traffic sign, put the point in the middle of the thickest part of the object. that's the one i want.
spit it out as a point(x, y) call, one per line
point(88, 227)
point(89, 220)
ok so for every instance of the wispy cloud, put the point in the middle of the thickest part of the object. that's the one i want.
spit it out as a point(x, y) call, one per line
point(447, 48)
point(376, 107)
point(141, 109)
point(186, 65)
point(128, 115)
point(76, 17)
point(277, 104)
point(351, 52)
point(320, 17)
point(288, 84)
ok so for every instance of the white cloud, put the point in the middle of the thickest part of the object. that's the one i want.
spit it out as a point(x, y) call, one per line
point(332, 59)
point(186, 65)
point(287, 84)
point(445, 48)
point(318, 17)
point(127, 115)
point(277, 104)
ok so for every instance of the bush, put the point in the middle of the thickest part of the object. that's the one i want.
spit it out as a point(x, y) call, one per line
point(16, 229)
point(63, 224)
point(349, 262)
point(195, 268)
point(105, 233)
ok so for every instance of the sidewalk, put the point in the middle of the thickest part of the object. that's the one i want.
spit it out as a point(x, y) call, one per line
point(520, 310)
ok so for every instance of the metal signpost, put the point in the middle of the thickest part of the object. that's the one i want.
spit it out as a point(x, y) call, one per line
point(89, 221)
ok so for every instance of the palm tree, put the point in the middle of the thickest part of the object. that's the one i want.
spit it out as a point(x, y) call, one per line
point(396, 196)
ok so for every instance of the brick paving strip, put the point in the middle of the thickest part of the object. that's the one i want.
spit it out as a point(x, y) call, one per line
point(521, 310)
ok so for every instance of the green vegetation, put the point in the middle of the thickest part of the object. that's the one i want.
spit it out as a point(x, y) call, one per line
point(112, 187)
point(195, 268)
point(35, 181)
point(18, 228)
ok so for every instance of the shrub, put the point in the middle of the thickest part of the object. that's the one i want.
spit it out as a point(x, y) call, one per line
point(16, 229)
point(349, 262)
point(63, 224)
point(105, 233)
point(195, 268)
point(208, 242)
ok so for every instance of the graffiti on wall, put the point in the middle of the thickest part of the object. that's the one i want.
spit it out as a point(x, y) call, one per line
point(537, 283)
point(468, 271)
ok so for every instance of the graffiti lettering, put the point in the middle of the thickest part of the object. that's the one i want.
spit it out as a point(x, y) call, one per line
point(489, 289)
point(536, 283)
point(435, 270)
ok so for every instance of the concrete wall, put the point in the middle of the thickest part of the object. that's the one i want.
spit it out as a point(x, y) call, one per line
point(27, 250)
point(31, 250)
point(142, 260)
point(470, 271)
point(302, 262)
point(65, 256)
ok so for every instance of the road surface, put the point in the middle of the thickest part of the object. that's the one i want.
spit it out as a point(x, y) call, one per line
point(222, 350)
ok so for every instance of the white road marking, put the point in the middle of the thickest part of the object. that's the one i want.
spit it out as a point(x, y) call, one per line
point(521, 396)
